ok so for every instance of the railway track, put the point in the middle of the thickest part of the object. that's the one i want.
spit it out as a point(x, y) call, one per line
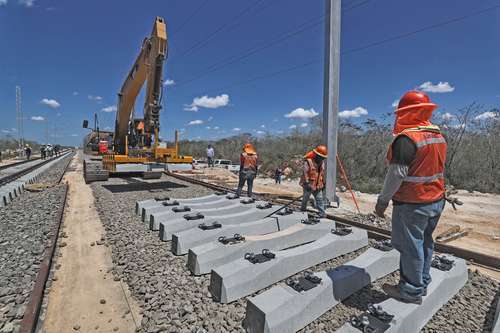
point(32, 308)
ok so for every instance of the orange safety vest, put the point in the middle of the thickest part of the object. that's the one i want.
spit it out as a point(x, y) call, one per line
point(249, 161)
point(425, 180)
point(315, 175)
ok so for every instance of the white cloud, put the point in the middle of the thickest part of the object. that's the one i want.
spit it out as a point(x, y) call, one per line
point(75, 93)
point(207, 102)
point(169, 82)
point(447, 116)
point(37, 118)
point(208, 127)
point(94, 98)
point(216, 127)
point(6, 131)
point(236, 129)
point(27, 3)
point(3, 3)
point(107, 128)
point(210, 118)
point(488, 115)
point(441, 87)
point(51, 103)
point(280, 132)
point(355, 113)
point(111, 108)
point(74, 135)
point(195, 122)
point(395, 103)
point(262, 126)
point(292, 126)
point(13, 129)
point(260, 132)
point(302, 113)
point(303, 125)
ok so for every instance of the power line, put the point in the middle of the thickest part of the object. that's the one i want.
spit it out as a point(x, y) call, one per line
point(310, 24)
point(364, 47)
point(205, 40)
point(190, 17)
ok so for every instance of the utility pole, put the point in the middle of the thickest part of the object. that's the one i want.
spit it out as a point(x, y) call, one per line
point(331, 92)
point(20, 121)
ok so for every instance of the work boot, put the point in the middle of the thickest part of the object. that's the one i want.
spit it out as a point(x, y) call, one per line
point(395, 292)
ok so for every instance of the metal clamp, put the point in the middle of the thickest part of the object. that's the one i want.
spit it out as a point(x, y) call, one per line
point(310, 220)
point(341, 231)
point(162, 198)
point(266, 205)
point(375, 320)
point(194, 216)
point(172, 203)
point(266, 255)
point(214, 225)
point(442, 263)
point(247, 201)
point(384, 245)
point(237, 238)
point(304, 283)
point(285, 211)
point(181, 209)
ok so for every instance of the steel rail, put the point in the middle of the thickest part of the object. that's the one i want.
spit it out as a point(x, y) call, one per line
point(32, 313)
point(6, 166)
point(473, 257)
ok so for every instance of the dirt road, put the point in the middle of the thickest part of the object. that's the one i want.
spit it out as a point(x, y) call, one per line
point(84, 297)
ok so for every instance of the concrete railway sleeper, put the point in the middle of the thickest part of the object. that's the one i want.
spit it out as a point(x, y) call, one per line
point(139, 205)
point(185, 240)
point(157, 215)
point(240, 277)
point(392, 315)
point(202, 259)
point(283, 309)
point(230, 216)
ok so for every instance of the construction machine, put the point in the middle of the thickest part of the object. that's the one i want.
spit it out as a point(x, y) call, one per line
point(136, 145)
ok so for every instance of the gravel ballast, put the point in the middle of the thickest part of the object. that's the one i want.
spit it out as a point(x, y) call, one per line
point(172, 300)
point(26, 228)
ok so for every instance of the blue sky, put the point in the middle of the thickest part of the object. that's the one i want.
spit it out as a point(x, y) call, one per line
point(71, 57)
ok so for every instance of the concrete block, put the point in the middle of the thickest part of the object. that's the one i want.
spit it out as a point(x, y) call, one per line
point(230, 216)
point(202, 259)
point(282, 309)
point(141, 204)
point(241, 278)
point(496, 321)
point(160, 208)
point(411, 318)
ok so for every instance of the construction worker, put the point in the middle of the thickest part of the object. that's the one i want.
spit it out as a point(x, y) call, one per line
point(27, 150)
point(210, 156)
point(248, 168)
point(313, 178)
point(415, 183)
point(43, 152)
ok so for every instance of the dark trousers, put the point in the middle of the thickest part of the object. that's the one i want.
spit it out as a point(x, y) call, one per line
point(247, 176)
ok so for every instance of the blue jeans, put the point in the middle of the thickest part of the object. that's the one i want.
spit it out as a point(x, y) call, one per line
point(318, 198)
point(412, 228)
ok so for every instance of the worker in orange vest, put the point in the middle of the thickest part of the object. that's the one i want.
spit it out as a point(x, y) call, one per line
point(248, 168)
point(313, 178)
point(415, 183)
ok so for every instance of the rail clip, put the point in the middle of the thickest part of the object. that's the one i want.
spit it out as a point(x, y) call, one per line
point(237, 238)
point(266, 255)
point(304, 283)
point(375, 320)
point(214, 225)
point(194, 216)
point(181, 209)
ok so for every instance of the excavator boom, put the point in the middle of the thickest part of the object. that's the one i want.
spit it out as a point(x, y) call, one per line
point(147, 67)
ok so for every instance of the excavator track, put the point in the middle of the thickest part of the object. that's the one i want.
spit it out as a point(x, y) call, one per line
point(94, 171)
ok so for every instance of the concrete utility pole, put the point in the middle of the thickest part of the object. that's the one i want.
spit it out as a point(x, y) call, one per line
point(331, 91)
point(20, 121)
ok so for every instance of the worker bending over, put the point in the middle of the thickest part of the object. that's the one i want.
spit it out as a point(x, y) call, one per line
point(313, 178)
point(248, 168)
point(415, 183)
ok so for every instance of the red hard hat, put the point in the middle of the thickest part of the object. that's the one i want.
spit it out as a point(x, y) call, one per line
point(321, 151)
point(415, 99)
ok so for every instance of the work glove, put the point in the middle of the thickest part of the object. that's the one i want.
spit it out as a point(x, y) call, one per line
point(380, 208)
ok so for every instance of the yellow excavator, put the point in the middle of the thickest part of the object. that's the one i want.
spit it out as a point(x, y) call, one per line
point(136, 147)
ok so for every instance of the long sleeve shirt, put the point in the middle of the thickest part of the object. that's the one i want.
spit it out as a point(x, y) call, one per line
point(403, 154)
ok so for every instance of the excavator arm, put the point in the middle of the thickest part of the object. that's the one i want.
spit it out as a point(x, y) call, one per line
point(147, 67)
